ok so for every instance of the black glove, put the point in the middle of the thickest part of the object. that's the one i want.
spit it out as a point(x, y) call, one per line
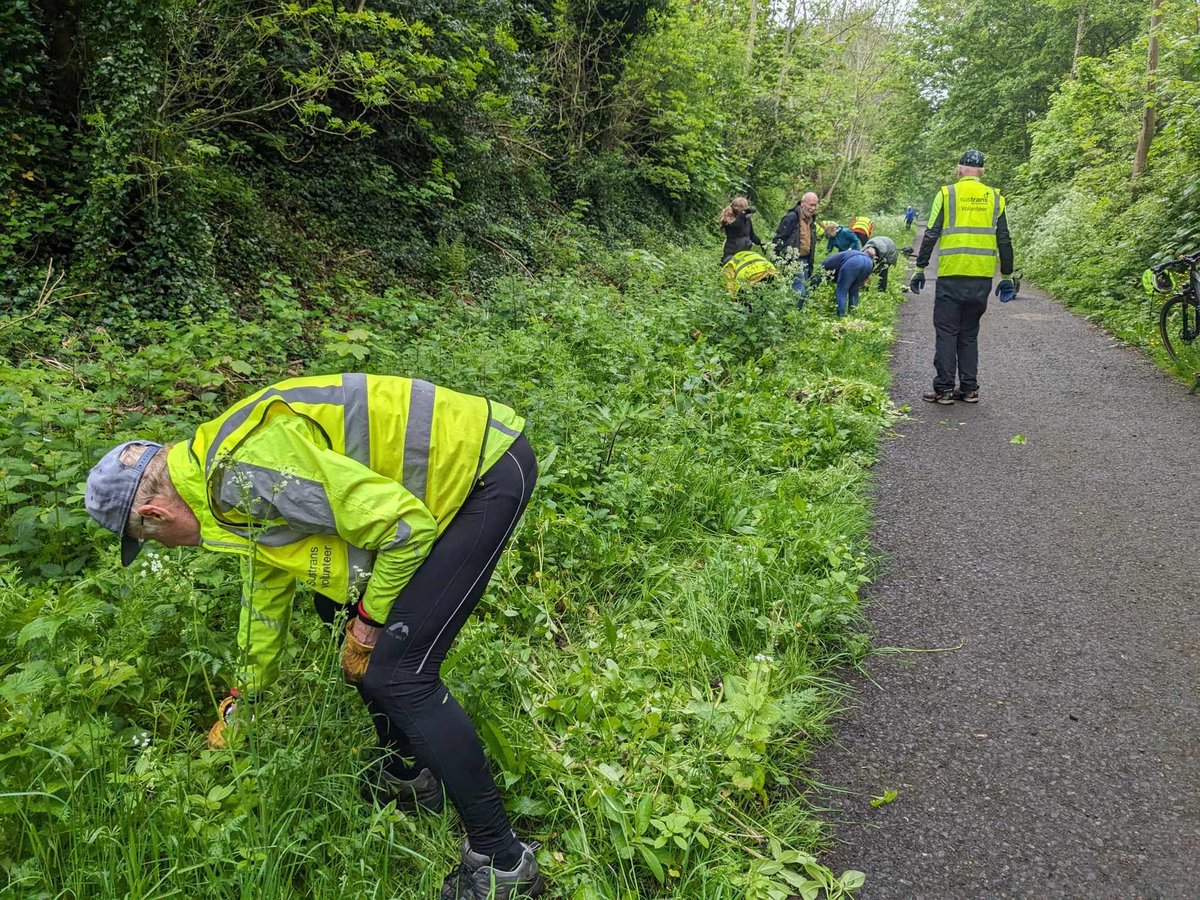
point(918, 281)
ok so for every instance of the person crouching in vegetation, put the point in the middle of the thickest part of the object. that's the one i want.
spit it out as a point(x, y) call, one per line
point(864, 227)
point(850, 269)
point(739, 230)
point(886, 255)
point(839, 237)
point(392, 498)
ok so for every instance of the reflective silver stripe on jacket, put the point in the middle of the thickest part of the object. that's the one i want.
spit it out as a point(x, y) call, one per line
point(965, 229)
point(950, 215)
point(418, 433)
point(504, 429)
point(969, 251)
point(263, 494)
point(403, 533)
point(312, 395)
point(356, 421)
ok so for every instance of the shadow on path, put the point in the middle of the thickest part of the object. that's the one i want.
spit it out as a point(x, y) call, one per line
point(1057, 753)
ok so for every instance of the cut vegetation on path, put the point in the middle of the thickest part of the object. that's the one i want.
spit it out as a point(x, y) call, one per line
point(1050, 750)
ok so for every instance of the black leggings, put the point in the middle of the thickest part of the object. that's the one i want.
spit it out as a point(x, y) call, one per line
point(415, 715)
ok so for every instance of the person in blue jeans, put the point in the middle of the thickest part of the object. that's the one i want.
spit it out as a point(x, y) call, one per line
point(850, 269)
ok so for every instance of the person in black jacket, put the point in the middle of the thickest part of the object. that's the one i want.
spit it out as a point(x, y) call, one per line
point(739, 230)
point(796, 240)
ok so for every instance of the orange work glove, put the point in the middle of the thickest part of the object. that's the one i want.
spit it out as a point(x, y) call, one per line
point(356, 655)
point(216, 734)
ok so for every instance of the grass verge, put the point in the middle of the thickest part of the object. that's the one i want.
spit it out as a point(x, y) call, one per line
point(648, 670)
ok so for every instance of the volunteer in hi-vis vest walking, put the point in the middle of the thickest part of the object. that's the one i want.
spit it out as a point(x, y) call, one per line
point(968, 217)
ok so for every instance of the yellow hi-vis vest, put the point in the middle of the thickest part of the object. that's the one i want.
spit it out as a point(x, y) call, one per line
point(342, 482)
point(967, 245)
point(863, 224)
point(746, 267)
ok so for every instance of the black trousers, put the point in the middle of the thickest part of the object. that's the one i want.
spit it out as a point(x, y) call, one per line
point(959, 303)
point(415, 714)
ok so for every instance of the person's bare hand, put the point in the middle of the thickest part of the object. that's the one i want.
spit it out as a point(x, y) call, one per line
point(366, 634)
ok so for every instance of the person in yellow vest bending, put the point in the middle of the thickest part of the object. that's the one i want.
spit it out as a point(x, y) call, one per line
point(864, 227)
point(968, 218)
point(392, 499)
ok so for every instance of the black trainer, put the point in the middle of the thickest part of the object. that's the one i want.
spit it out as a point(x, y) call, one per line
point(475, 879)
point(421, 794)
point(943, 397)
point(967, 396)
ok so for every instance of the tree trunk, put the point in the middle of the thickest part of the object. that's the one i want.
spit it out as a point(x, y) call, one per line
point(750, 34)
point(62, 26)
point(1080, 33)
point(1148, 114)
point(787, 56)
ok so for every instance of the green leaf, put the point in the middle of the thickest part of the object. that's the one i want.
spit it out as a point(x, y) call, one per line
point(852, 879)
point(499, 747)
point(652, 863)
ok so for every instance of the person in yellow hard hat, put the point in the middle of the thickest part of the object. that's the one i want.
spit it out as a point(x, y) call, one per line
point(391, 498)
point(968, 218)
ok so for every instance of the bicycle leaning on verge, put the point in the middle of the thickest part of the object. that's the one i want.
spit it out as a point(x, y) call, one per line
point(1179, 318)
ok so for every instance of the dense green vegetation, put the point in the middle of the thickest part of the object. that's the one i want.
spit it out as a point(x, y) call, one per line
point(1089, 226)
point(517, 200)
point(508, 199)
point(648, 671)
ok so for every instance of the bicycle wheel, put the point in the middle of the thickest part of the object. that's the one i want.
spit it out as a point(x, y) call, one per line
point(1179, 316)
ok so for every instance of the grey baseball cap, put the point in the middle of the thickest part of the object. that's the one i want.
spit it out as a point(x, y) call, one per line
point(971, 158)
point(110, 488)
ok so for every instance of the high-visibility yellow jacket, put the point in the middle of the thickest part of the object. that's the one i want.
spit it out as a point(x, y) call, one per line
point(968, 236)
point(863, 225)
point(342, 482)
point(746, 268)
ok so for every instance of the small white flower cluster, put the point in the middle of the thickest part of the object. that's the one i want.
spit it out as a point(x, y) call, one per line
point(762, 657)
point(358, 577)
point(141, 741)
point(152, 563)
point(288, 478)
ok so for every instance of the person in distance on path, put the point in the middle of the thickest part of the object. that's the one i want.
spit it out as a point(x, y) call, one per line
point(392, 498)
point(910, 216)
point(850, 269)
point(968, 218)
point(796, 242)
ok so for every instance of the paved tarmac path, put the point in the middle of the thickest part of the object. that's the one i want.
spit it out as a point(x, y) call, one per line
point(1056, 753)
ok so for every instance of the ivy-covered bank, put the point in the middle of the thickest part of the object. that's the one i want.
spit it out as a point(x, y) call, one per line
point(648, 671)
